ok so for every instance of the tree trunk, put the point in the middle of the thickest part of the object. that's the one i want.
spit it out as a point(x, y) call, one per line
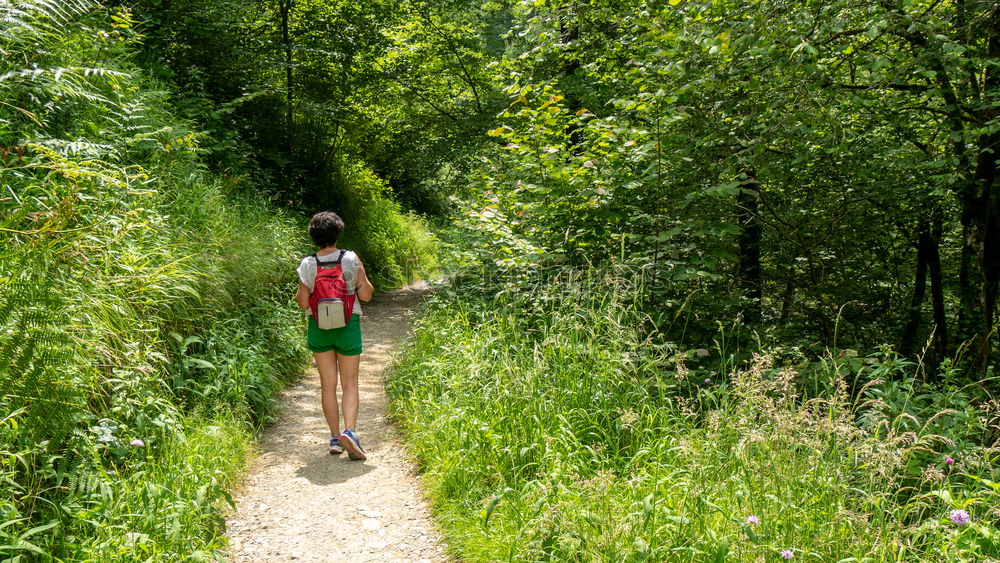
point(569, 32)
point(788, 295)
point(939, 345)
point(749, 239)
point(284, 7)
point(988, 266)
point(980, 272)
point(908, 340)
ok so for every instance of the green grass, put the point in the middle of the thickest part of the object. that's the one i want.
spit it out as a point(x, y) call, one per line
point(146, 315)
point(166, 321)
point(549, 427)
point(165, 507)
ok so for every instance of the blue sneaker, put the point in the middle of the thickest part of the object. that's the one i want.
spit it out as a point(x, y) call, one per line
point(335, 447)
point(350, 442)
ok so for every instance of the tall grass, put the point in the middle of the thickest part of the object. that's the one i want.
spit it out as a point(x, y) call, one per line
point(144, 318)
point(146, 322)
point(397, 248)
point(148, 325)
point(549, 426)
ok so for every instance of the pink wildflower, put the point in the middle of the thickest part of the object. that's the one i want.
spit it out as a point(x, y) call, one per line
point(960, 517)
point(787, 553)
point(137, 443)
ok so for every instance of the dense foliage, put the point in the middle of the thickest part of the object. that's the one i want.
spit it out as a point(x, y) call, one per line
point(816, 178)
point(145, 316)
point(821, 170)
point(144, 326)
point(810, 167)
point(729, 291)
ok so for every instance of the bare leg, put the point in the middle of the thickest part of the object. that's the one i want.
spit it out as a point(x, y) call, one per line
point(349, 383)
point(326, 363)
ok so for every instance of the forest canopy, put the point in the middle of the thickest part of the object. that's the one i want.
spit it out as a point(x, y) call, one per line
point(816, 170)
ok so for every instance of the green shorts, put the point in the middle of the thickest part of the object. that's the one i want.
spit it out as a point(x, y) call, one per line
point(345, 340)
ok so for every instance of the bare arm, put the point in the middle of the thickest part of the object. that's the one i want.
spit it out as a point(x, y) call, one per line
point(365, 288)
point(302, 296)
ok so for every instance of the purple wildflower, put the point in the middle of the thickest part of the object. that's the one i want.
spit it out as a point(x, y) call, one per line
point(787, 553)
point(960, 517)
point(949, 460)
point(752, 519)
point(137, 443)
point(708, 380)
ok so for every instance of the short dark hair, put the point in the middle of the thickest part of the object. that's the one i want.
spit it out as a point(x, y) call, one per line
point(325, 228)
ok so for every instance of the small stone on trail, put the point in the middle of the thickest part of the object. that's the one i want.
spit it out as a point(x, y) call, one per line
point(371, 524)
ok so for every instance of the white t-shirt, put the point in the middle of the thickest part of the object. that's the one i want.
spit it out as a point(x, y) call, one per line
point(349, 266)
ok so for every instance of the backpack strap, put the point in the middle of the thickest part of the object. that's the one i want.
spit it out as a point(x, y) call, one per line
point(340, 258)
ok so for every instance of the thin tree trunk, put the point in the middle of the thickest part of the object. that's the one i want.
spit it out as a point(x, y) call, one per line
point(908, 340)
point(569, 32)
point(284, 7)
point(939, 346)
point(749, 248)
point(787, 296)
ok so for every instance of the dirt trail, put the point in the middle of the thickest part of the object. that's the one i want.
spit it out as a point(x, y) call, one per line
point(302, 504)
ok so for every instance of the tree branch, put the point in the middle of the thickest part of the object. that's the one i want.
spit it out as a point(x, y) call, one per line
point(901, 87)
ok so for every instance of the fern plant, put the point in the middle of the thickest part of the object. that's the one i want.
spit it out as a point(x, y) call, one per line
point(113, 235)
point(47, 77)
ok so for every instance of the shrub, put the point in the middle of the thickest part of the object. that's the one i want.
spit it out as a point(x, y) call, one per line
point(396, 247)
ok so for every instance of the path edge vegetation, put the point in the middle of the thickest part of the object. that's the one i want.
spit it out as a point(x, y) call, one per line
point(145, 298)
point(549, 425)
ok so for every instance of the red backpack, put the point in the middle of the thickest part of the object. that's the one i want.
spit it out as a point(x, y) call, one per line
point(331, 301)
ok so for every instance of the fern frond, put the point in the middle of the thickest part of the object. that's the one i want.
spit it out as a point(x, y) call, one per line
point(33, 20)
point(77, 148)
point(58, 73)
point(56, 83)
point(129, 119)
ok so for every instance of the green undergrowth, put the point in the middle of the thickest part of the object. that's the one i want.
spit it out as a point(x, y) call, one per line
point(145, 338)
point(396, 247)
point(145, 317)
point(550, 427)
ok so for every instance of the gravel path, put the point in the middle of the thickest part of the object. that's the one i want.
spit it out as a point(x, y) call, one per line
point(300, 503)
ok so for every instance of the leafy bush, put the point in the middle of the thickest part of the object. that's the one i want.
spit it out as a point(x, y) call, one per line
point(396, 247)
